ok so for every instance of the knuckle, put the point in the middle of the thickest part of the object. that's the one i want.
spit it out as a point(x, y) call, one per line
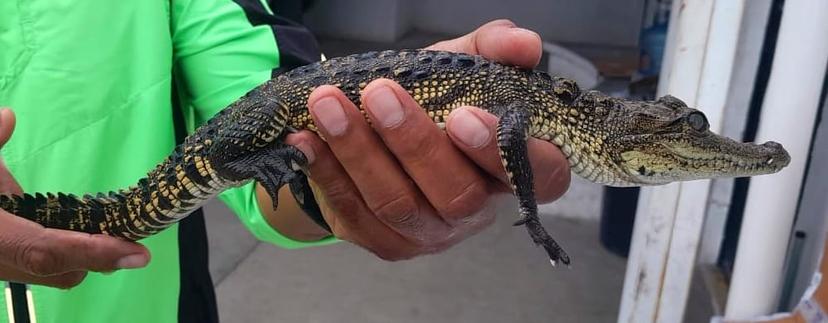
point(343, 201)
point(469, 201)
point(417, 148)
point(336, 190)
point(38, 260)
point(401, 211)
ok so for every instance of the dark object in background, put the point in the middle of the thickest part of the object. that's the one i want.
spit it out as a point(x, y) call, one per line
point(293, 10)
point(617, 218)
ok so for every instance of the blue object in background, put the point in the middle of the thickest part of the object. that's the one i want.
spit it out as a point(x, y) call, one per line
point(652, 41)
point(652, 49)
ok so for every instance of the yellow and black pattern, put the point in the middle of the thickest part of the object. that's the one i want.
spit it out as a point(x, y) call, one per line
point(606, 140)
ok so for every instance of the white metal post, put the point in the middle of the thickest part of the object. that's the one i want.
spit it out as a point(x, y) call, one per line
point(669, 221)
point(788, 112)
point(739, 92)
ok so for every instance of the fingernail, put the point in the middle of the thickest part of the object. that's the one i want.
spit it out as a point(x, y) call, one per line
point(306, 150)
point(518, 30)
point(330, 114)
point(385, 106)
point(469, 129)
point(132, 261)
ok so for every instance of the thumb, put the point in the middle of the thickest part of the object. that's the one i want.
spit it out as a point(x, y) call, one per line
point(7, 121)
point(7, 182)
point(67, 251)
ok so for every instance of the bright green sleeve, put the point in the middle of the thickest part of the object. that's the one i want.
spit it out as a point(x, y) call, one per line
point(219, 55)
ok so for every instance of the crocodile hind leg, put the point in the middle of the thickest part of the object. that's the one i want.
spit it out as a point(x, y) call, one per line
point(272, 167)
point(512, 135)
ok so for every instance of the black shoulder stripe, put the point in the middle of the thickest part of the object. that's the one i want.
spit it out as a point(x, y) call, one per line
point(297, 45)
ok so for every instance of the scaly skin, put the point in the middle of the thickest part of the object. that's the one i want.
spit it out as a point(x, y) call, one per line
point(606, 140)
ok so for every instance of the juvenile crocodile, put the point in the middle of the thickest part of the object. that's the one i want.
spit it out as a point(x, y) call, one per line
point(607, 140)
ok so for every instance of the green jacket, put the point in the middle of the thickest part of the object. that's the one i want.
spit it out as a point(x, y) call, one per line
point(93, 83)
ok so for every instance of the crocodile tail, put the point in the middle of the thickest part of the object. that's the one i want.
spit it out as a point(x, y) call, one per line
point(102, 213)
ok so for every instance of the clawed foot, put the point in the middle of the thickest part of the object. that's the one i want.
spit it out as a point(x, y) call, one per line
point(271, 167)
point(542, 238)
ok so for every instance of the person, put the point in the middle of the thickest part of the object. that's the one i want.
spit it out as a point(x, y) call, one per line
point(102, 90)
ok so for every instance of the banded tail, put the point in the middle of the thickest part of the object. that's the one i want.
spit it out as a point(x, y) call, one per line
point(156, 202)
point(110, 214)
point(237, 145)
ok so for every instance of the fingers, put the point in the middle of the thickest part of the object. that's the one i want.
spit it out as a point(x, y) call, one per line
point(342, 206)
point(473, 131)
point(499, 40)
point(450, 182)
point(68, 251)
point(36, 251)
point(383, 185)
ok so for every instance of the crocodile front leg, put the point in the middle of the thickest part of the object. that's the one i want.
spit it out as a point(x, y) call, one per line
point(512, 136)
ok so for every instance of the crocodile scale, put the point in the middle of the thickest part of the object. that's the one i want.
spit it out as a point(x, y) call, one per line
point(606, 140)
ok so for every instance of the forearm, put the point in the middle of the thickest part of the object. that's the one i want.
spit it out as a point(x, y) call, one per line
point(288, 219)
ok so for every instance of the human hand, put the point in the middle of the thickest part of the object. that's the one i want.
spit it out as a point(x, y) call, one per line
point(406, 188)
point(30, 253)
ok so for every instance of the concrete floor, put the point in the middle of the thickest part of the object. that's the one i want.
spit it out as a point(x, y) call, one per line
point(496, 276)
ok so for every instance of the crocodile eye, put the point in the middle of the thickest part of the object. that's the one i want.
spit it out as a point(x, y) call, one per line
point(697, 121)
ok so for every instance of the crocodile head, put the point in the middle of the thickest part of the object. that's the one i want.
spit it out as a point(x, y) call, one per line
point(634, 143)
point(663, 141)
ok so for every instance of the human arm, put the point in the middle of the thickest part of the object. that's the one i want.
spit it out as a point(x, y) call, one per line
point(222, 50)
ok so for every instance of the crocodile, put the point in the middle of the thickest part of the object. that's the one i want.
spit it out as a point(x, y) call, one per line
point(606, 140)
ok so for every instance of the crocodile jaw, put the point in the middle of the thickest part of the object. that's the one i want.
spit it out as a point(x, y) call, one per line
point(680, 158)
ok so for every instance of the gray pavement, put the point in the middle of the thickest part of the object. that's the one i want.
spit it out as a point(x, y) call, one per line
point(497, 276)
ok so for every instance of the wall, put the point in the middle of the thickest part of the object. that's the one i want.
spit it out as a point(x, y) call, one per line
point(604, 22)
point(371, 20)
